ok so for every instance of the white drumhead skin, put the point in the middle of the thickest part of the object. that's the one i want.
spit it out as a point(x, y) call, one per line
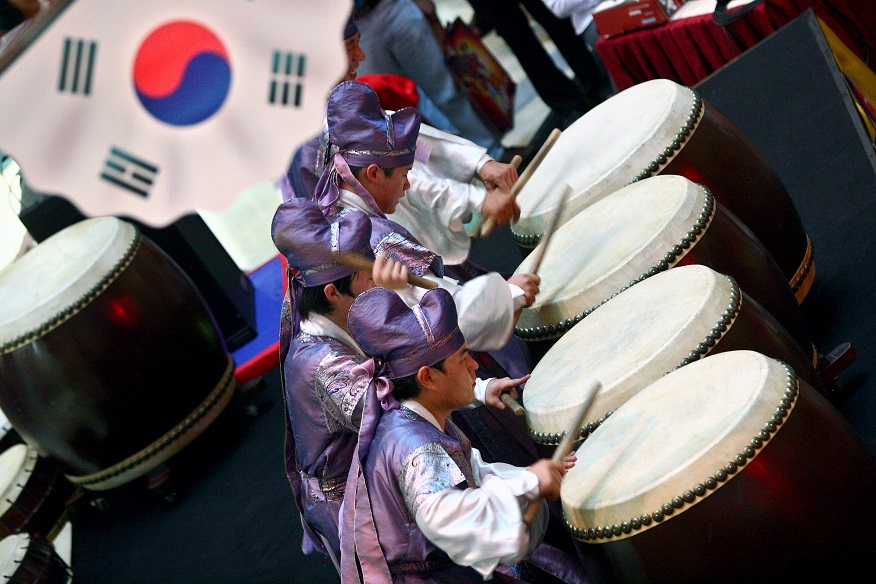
point(58, 273)
point(604, 150)
point(672, 436)
point(628, 343)
point(610, 244)
point(13, 548)
point(16, 466)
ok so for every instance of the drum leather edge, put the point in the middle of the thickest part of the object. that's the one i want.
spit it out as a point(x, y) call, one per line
point(684, 501)
point(701, 350)
point(697, 111)
point(169, 444)
point(77, 306)
point(676, 253)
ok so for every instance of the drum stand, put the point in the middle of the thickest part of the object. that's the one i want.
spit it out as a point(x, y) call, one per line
point(831, 365)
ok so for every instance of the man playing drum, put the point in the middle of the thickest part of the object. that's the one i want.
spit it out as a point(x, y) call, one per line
point(322, 372)
point(420, 501)
point(369, 174)
point(443, 191)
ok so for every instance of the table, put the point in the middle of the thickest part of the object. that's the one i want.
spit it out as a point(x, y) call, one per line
point(687, 50)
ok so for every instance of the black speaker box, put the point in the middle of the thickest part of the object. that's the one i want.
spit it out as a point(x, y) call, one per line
point(227, 291)
point(790, 97)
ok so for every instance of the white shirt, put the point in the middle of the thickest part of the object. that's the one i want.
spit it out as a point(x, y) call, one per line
point(579, 11)
point(485, 305)
point(483, 527)
point(445, 192)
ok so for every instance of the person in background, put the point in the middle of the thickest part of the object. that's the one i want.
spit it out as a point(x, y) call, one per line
point(398, 39)
point(569, 98)
point(580, 13)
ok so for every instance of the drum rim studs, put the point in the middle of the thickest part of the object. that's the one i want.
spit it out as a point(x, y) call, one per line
point(700, 490)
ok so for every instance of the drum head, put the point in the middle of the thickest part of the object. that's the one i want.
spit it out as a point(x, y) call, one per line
point(622, 239)
point(604, 150)
point(675, 442)
point(55, 279)
point(630, 342)
point(13, 548)
point(16, 464)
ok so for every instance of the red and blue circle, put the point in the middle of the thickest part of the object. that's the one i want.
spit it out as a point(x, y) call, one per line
point(182, 73)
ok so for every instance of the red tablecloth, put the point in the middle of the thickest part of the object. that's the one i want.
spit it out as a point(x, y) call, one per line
point(688, 50)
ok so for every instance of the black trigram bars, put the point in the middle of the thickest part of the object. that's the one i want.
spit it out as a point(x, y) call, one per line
point(129, 172)
point(77, 66)
point(287, 77)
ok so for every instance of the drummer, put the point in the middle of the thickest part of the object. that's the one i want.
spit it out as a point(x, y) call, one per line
point(425, 502)
point(321, 365)
point(443, 192)
point(376, 151)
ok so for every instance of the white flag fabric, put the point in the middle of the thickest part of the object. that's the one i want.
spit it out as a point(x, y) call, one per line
point(155, 108)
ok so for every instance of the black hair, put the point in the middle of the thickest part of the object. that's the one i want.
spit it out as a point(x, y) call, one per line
point(313, 300)
point(357, 169)
point(408, 387)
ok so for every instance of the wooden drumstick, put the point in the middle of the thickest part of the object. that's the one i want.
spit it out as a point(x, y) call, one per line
point(539, 251)
point(362, 263)
point(513, 404)
point(565, 445)
point(479, 224)
point(490, 223)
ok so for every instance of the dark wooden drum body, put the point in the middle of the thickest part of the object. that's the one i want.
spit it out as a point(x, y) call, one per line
point(727, 470)
point(659, 128)
point(637, 232)
point(26, 559)
point(665, 322)
point(111, 361)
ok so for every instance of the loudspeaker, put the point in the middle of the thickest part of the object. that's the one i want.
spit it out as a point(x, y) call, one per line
point(227, 291)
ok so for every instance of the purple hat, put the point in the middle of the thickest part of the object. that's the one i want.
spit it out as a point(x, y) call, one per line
point(361, 133)
point(364, 133)
point(402, 338)
point(309, 240)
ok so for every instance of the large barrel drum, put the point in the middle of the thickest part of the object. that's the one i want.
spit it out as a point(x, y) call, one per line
point(637, 232)
point(666, 322)
point(657, 128)
point(111, 361)
point(730, 469)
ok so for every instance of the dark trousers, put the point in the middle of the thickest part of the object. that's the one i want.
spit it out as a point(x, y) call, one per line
point(559, 92)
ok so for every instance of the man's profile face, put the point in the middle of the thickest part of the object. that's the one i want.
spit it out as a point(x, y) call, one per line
point(389, 189)
point(355, 55)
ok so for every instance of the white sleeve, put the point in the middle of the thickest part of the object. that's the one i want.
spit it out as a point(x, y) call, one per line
point(435, 210)
point(566, 8)
point(480, 392)
point(449, 155)
point(483, 527)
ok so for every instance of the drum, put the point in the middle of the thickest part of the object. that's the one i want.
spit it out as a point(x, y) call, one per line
point(726, 470)
point(26, 559)
point(8, 435)
point(660, 127)
point(34, 493)
point(111, 360)
point(637, 232)
point(668, 321)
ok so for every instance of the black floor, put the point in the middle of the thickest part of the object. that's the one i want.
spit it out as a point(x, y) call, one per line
point(235, 520)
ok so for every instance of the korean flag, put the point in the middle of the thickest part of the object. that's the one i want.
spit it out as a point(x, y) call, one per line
point(154, 108)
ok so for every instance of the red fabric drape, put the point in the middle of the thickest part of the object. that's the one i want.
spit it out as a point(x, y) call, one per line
point(686, 51)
